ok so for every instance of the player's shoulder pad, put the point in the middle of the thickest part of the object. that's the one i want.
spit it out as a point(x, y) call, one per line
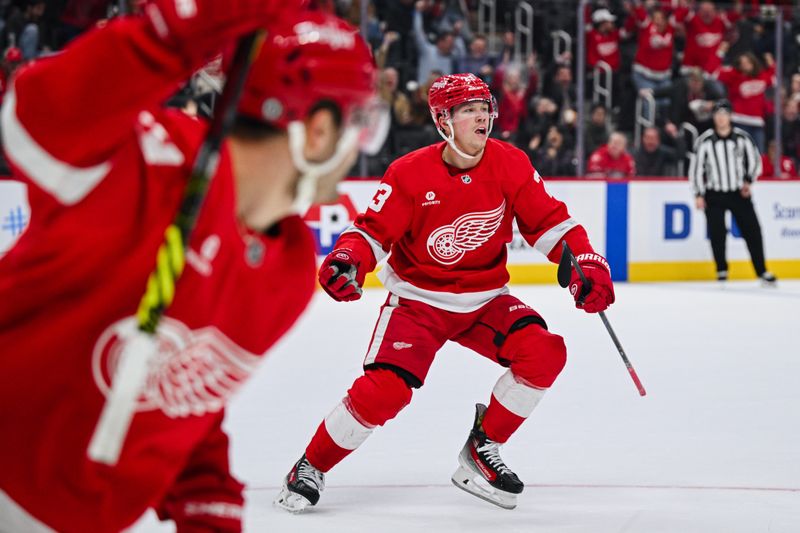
point(408, 169)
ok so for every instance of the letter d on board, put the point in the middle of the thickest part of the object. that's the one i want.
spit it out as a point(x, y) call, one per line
point(677, 221)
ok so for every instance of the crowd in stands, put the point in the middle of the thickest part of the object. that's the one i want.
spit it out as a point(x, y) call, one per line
point(682, 55)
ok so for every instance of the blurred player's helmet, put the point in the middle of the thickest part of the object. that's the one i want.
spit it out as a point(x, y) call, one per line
point(454, 89)
point(309, 58)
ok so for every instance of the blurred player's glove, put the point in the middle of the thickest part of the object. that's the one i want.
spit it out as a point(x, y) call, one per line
point(598, 293)
point(199, 29)
point(340, 277)
point(203, 515)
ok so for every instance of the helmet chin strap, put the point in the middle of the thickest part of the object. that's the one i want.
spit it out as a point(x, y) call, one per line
point(451, 139)
point(310, 173)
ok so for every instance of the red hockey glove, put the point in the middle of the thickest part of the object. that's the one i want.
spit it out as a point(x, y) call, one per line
point(598, 293)
point(204, 515)
point(340, 276)
point(198, 29)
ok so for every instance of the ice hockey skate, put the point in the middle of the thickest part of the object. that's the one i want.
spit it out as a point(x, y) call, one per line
point(301, 487)
point(482, 472)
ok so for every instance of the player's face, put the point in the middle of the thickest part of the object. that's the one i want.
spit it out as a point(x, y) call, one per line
point(471, 126)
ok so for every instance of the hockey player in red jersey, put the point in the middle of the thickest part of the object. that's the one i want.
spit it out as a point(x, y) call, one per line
point(445, 215)
point(106, 168)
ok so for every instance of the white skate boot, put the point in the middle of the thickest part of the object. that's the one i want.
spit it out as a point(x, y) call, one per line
point(301, 488)
point(482, 472)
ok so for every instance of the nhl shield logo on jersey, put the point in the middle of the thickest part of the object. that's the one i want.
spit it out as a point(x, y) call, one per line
point(193, 373)
point(448, 244)
point(466, 179)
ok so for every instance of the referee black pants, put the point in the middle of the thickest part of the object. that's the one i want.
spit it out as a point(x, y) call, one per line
point(745, 215)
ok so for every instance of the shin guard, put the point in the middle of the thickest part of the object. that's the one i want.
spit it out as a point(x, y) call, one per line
point(374, 398)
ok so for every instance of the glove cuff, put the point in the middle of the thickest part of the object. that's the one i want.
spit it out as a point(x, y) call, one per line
point(594, 258)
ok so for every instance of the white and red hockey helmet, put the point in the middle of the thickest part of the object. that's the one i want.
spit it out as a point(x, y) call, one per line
point(309, 57)
point(452, 90)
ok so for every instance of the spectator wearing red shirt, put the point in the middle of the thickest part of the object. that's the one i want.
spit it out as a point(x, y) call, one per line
point(602, 41)
point(787, 170)
point(612, 160)
point(705, 30)
point(747, 82)
point(513, 105)
point(652, 66)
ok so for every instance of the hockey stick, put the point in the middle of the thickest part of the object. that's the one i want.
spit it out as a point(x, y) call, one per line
point(564, 275)
point(131, 372)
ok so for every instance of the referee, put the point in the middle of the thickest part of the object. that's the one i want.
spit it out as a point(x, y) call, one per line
point(722, 171)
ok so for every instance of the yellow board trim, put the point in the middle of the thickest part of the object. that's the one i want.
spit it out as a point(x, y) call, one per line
point(705, 270)
point(644, 272)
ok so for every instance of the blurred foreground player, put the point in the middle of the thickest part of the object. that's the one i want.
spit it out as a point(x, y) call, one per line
point(445, 213)
point(106, 168)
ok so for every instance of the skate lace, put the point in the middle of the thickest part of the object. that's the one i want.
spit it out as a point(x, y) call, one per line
point(491, 454)
point(310, 475)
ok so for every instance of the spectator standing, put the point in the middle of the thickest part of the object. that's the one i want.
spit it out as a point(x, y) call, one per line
point(612, 159)
point(653, 158)
point(705, 30)
point(478, 61)
point(747, 83)
point(723, 184)
point(652, 66)
point(787, 169)
point(560, 88)
point(30, 39)
point(513, 106)
point(602, 40)
point(434, 57)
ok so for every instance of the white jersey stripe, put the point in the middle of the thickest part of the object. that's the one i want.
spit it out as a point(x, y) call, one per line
point(465, 302)
point(515, 396)
point(345, 430)
point(377, 249)
point(551, 237)
point(66, 183)
point(380, 329)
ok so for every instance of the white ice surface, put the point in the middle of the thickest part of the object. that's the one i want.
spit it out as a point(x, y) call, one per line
point(713, 447)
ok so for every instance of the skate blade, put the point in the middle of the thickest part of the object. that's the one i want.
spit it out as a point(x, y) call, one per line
point(473, 483)
point(291, 501)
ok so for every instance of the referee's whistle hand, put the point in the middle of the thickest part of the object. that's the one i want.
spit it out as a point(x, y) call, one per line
point(700, 202)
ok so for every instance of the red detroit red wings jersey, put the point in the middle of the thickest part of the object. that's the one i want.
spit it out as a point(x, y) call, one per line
point(447, 230)
point(105, 179)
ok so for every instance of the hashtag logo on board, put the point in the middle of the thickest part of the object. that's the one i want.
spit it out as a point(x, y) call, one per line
point(15, 221)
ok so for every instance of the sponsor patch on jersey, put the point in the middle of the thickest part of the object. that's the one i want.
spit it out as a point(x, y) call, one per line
point(430, 198)
point(448, 244)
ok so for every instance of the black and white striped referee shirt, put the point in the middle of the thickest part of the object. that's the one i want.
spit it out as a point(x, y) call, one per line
point(723, 164)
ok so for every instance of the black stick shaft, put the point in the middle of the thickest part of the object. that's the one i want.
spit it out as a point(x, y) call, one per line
point(607, 324)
